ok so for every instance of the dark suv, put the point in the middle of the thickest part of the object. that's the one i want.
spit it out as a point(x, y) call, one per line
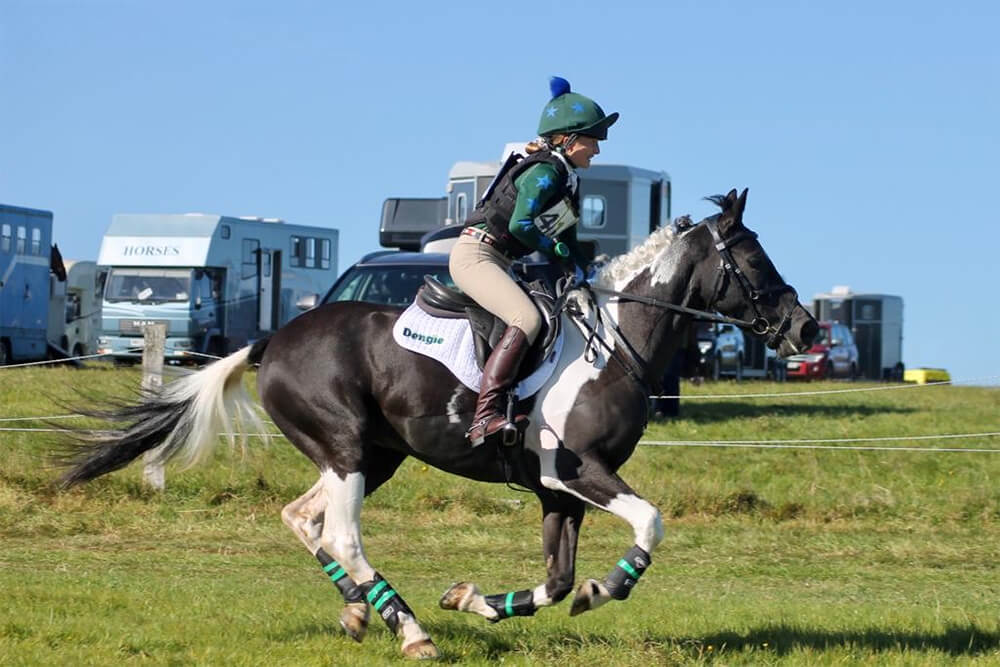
point(389, 277)
point(393, 278)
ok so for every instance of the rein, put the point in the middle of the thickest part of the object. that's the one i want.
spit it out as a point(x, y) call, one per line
point(666, 305)
point(635, 366)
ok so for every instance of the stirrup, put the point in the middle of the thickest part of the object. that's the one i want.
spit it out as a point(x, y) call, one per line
point(510, 433)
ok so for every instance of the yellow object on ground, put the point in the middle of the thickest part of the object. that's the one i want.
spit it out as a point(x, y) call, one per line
point(925, 375)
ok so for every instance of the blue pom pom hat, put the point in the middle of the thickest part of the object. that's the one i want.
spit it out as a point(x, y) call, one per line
point(572, 113)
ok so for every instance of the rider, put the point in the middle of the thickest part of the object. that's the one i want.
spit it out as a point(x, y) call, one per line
point(533, 204)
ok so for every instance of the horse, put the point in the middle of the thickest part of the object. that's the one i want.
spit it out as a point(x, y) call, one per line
point(357, 405)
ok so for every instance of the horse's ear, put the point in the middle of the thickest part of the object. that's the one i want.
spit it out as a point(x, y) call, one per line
point(731, 211)
point(741, 204)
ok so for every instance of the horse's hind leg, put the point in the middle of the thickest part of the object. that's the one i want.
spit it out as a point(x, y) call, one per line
point(304, 517)
point(560, 531)
point(341, 537)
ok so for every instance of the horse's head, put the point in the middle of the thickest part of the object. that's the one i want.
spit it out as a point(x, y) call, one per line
point(746, 284)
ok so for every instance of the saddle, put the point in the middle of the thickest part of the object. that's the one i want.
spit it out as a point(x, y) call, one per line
point(438, 300)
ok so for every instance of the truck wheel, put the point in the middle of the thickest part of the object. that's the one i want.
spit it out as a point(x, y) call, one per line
point(4, 353)
point(716, 368)
point(854, 372)
point(739, 368)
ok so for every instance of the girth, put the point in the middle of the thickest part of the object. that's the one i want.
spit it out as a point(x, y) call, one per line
point(437, 299)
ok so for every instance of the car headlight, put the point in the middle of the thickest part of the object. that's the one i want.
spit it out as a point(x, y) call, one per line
point(815, 358)
point(704, 346)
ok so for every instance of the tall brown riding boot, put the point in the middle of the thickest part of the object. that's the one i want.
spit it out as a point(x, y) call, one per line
point(499, 374)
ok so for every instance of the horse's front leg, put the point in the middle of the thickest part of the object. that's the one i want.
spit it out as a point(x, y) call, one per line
point(561, 519)
point(589, 479)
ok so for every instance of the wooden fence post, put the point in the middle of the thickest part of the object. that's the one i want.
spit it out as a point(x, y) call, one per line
point(154, 340)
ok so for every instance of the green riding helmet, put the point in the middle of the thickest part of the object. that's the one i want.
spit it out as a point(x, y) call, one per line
point(572, 113)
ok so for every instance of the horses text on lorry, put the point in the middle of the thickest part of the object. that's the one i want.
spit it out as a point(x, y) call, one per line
point(876, 320)
point(217, 282)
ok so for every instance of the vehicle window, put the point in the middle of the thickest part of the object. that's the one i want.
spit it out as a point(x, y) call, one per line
point(350, 286)
point(72, 307)
point(324, 254)
point(823, 337)
point(310, 253)
point(250, 250)
point(390, 285)
point(835, 335)
point(5, 238)
point(461, 208)
point(593, 211)
point(149, 285)
point(207, 284)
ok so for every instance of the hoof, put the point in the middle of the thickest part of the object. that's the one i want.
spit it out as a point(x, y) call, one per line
point(457, 597)
point(354, 620)
point(590, 595)
point(422, 649)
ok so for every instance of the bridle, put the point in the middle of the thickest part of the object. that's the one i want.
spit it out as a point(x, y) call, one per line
point(728, 268)
point(634, 365)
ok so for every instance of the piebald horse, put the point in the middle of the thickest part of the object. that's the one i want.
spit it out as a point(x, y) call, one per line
point(357, 404)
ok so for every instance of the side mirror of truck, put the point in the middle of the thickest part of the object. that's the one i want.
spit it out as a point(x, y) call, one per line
point(307, 302)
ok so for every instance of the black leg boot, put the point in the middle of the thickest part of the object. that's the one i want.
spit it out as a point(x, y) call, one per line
point(499, 374)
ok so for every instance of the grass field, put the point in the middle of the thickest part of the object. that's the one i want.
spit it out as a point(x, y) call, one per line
point(772, 556)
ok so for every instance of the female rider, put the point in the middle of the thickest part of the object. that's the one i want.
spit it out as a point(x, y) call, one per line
point(533, 204)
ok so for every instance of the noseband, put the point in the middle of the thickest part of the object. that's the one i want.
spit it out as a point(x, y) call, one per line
point(728, 268)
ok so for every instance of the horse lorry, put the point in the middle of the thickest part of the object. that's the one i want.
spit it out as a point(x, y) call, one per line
point(216, 282)
point(26, 259)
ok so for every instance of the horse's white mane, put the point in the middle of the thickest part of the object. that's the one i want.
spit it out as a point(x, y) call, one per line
point(623, 268)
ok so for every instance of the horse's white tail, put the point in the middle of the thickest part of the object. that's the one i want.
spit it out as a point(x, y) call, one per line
point(215, 402)
point(183, 420)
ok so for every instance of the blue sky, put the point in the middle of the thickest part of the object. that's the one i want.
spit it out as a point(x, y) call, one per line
point(867, 132)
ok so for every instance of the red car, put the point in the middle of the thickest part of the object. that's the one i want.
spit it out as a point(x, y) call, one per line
point(833, 355)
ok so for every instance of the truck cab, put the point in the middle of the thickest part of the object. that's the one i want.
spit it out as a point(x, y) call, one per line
point(186, 299)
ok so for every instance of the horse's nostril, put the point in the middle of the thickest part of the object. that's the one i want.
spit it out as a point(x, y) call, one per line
point(808, 331)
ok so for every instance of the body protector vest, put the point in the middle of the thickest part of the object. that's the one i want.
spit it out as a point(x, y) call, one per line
point(496, 207)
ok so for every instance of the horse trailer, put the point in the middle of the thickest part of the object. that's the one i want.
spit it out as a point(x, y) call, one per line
point(75, 308)
point(217, 282)
point(26, 257)
point(620, 205)
point(876, 320)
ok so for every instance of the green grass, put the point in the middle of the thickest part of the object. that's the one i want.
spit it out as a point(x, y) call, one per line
point(771, 556)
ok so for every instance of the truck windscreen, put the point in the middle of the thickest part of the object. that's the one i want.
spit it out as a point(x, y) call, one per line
point(129, 284)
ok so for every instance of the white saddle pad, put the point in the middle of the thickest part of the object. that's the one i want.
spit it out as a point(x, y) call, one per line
point(450, 341)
